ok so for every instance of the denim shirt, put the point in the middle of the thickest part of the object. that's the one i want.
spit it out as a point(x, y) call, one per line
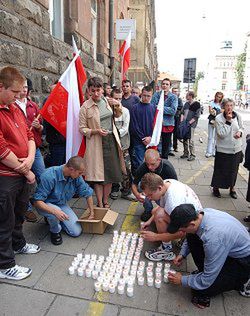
point(56, 189)
point(170, 107)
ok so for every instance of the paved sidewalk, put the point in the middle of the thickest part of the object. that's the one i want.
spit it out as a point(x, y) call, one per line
point(51, 291)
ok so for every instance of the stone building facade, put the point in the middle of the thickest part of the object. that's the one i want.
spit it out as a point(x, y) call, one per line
point(36, 37)
point(144, 64)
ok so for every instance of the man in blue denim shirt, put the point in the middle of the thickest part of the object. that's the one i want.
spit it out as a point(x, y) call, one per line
point(57, 186)
point(220, 247)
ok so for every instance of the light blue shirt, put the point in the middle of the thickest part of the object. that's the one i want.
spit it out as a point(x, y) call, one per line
point(56, 189)
point(222, 236)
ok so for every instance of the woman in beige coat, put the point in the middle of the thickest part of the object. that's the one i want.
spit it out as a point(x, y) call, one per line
point(102, 163)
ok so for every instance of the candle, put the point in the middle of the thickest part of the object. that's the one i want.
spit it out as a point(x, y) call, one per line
point(159, 265)
point(94, 274)
point(79, 256)
point(158, 276)
point(157, 283)
point(97, 286)
point(71, 270)
point(165, 279)
point(149, 274)
point(150, 281)
point(120, 289)
point(88, 272)
point(130, 291)
point(140, 280)
point(157, 270)
point(80, 271)
point(105, 286)
point(111, 288)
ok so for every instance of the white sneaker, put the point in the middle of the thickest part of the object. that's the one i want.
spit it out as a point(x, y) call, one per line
point(159, 254)
point(15, 273)
point(246, 291)
point(28, 249)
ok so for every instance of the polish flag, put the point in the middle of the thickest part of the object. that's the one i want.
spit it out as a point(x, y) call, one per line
point(157, 123)
point(125, 53)
point(62, 107)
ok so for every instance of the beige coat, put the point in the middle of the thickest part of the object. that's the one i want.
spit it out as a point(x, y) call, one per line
point(89, 118)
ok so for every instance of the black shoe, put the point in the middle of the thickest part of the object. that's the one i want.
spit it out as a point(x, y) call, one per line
point(247, 219)
point(145, 216)
point(216, 192)
point(46, 220)
point(184, 156)
point(171, 154)
point(233, 194)
point(56, 238)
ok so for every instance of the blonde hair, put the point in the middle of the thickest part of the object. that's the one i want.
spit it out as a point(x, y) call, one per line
point(151, 181)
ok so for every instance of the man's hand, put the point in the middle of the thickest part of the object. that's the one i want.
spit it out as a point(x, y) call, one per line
point(229, 116)
point(60, 215)
point(140, 197)
point(148, 235)
point(178, 260)
point(146, 140)
point(31, 178)
point(175, 278)
point(36, 124)
point(145, 225)
point(26, 164)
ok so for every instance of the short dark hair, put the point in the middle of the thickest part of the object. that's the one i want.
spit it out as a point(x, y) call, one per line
point(95, 82)
point(75, 162)
point(191, 94)
point(116, 90)
point(29, 84)
point(167, 79)
point(147, 88)
point(127, 81)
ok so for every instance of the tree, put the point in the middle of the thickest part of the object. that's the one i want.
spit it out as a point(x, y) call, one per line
point(200, 75)
point(240, 69)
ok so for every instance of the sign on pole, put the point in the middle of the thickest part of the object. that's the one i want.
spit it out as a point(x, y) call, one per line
point(189, 70)
point(123, 26)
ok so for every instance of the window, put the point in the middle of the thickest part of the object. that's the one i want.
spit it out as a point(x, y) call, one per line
point(94, 25)
point(224, 75)
point(56, 18)
point(223, 87)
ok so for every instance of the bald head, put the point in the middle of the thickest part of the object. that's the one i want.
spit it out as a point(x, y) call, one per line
point(152, 159)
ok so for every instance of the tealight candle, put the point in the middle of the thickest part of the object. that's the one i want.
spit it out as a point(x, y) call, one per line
point(140, 280)
point(105, 286)
point(120, 289)
point(159, 265)
point(157, 283)
point(157, 270)
point(97, 286)
point(149, 274)
point(130, 291)
point(88, 273)
point(150, 281)
point(80, 272)
point(79, 256)
point(165, 279)
point(111, 288)
point(94, 274)
point(71, 270)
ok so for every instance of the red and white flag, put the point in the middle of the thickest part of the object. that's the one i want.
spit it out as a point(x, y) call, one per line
point(62, 107)
point(157, 123)
point(124, 51)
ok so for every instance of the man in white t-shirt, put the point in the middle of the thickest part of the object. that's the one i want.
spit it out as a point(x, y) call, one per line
point(168, 194)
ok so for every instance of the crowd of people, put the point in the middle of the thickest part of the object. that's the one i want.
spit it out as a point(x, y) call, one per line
point(118, 124)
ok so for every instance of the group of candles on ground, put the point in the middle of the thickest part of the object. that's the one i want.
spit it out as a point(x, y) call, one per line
point(121, 267)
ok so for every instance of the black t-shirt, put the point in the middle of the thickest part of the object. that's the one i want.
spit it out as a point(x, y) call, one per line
point(165, 170)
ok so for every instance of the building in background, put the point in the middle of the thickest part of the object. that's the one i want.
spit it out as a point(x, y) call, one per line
point(247, 71)
point(144, 66)
point(174, 80)
point(36, 37)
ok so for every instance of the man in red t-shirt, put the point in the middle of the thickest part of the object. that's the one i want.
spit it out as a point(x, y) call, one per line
point(17, 151)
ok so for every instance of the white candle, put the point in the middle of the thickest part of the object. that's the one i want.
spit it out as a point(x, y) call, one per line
point(150, 264)
point(120, 289)
point(122, 282)
point(158, 276)
point(159, 265)
point(111, 288)
point(167, 265)
point(165, 278)
point(88, 273)
point(105, 286)
point(87, 257)
point(149, 274)
point(157, 270)
point(97, 286)
point(140, 280)
point(150, 281)
point(80, 272)
point(149, 269)
point(139, 274)
point(130, 291)
point(79, 256)
point(157, 283)
point(100, 280)
point(71, 270)
point(94, 274)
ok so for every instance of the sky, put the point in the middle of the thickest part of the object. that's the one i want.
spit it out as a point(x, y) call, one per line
point(196, 28)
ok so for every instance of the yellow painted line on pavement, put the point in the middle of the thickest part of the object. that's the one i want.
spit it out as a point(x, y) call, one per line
point(131, 223)
point(95, 309)
point(101, 296)
point(205, 167)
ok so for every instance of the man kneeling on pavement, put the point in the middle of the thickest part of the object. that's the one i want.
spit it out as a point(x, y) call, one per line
point(167, 194)
point(57, 186)
point(220, 247)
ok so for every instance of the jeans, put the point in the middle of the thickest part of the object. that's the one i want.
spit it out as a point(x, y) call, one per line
point(211, 141)
point(70, 226)
point(166, 144)
point(234, 273)
point(14, 197)
point(139, 152)
point(38, 168)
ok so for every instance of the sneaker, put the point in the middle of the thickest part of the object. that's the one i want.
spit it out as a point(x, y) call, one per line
point(15, 273)
point(183, 156)
point(158, 254)
point(208, 155)
point(114, 195)
point(56, 238)
point(145, 216)
point(191, 158)
point(246, 290)
point(129, 197)
point(171, 154)
point(28, 249)
point(30, 216)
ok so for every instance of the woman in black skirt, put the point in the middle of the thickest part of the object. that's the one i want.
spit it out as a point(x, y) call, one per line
point(229, 128)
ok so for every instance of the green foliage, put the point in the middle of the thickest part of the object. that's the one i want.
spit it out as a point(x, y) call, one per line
point(200, 75)
point(240, 69)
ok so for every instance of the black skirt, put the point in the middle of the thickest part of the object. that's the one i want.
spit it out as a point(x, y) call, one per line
point(112, 165)
point(225, 170)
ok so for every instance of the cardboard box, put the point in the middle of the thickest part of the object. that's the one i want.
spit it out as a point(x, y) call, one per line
point(103, 218)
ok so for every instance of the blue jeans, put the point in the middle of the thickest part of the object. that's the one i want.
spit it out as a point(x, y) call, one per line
point(38, 168)
point(139, 152)
point(71, 226)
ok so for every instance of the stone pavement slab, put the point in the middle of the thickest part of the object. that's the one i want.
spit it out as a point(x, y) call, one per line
point(57, 280)
point(137, 312)
point(65, 306)
point(216, 203)
point(175, 300)
point(37, 262)
point(16, 301)
point(236, 304)
point(35, 232)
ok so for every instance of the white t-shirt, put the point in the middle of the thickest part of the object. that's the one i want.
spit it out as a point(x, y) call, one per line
point(178, 193)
